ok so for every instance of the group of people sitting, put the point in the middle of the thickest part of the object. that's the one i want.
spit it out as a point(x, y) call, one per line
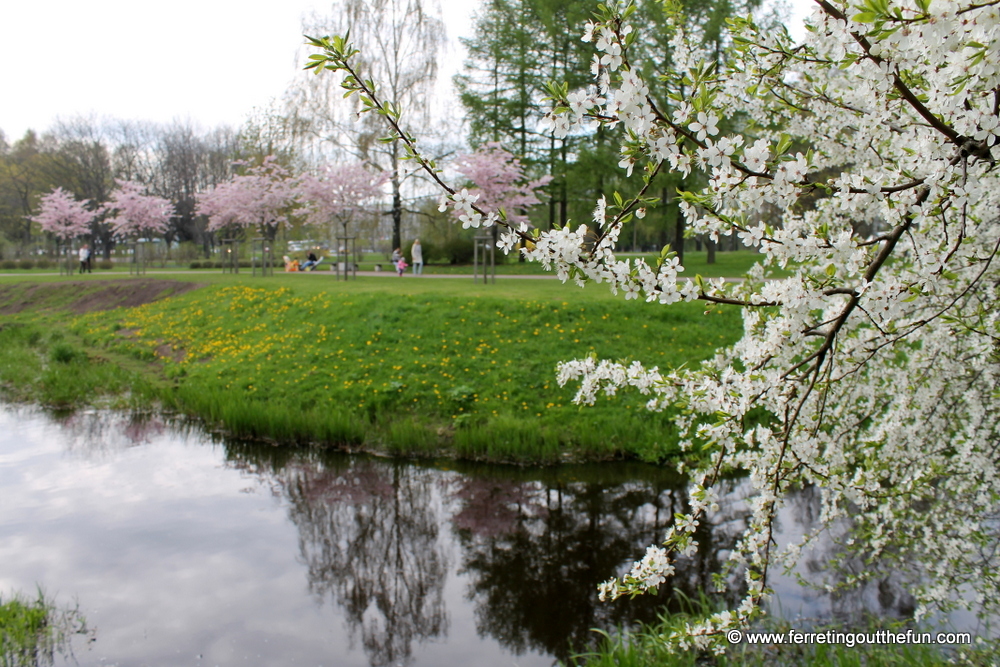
point(398, 261)
point(310, 263)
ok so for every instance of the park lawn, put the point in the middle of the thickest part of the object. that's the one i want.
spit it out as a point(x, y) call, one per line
point(727, 265)
point(407, 366)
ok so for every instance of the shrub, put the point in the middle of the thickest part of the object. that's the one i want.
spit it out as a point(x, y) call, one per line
point(27, 264)
point(43, 263)
point(64, 353)
point(457, 250)
point(105, 265)
point(8, 264)
point(194, 265)
point(188, 251)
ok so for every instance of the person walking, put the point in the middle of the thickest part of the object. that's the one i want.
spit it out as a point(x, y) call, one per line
point(417, 255)
point(84, 255)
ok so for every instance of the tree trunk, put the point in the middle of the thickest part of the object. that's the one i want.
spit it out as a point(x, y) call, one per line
point(563, 196)
point(397, 200)
point(679, 236)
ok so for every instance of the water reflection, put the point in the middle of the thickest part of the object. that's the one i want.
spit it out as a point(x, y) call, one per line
point(93, 434)
point(368, 534)
point(406, 563)
point(536, 550)
point(882, 594)
point(533, 545)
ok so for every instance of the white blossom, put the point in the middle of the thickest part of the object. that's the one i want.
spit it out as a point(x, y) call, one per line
point(863, 170)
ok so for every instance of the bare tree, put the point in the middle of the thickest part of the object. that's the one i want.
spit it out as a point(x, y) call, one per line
point(133, 156)
point(401, 38)
point(85, 165)
point(189, 162)
point(267, 130)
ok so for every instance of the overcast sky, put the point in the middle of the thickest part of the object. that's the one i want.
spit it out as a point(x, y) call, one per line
point(210, 61)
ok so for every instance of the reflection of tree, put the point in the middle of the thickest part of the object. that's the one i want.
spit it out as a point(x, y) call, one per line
point(93, 434)
point(879, 589)
point(537, 550)
point(535, 544)
point(368, 533)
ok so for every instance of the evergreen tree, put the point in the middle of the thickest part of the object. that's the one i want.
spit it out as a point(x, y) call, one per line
point(518, 45)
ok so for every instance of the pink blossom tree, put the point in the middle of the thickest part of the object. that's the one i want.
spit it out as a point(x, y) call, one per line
point(136, 214)
point(61, 214)
point(261, 198)
point(499, 182)
point(339, 193)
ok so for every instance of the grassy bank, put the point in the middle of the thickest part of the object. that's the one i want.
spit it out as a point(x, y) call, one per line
point(646, 648)
point(408, 367)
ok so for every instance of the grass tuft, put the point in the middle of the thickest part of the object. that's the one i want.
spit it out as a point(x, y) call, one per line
point(34, 632)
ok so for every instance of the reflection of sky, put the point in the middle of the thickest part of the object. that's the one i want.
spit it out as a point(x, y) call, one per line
point(173, 555)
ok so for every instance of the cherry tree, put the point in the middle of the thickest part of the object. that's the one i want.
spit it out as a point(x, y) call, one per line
point(338, 193)
point(261, 197)
point(62, 215)
point(135, 214)
point(499, 183)
point(871, 372)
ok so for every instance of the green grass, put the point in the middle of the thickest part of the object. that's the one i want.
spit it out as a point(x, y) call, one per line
point(412, 367)
point(646, 648)
point(45, 364)
point(33, 632)
point(727, 264)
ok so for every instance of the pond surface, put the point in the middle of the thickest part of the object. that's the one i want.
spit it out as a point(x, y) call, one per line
point(184, 550)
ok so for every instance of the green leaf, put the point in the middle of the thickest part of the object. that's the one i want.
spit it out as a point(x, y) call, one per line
point(866, 17)
point(783, 144)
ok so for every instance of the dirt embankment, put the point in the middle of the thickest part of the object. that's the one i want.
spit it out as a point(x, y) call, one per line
point(81, 297)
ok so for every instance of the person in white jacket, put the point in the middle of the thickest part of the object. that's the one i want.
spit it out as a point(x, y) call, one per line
point(417, 254)
point(84, 255)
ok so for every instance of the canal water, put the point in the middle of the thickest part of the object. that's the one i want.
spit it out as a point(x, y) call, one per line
point(183, 549)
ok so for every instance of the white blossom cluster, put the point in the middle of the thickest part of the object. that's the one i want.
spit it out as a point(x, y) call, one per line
point(873, 370)
point(463, 202)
